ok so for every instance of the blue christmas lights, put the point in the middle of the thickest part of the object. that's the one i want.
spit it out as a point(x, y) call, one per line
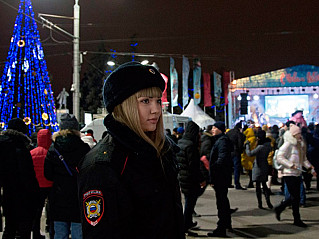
point(25, 89)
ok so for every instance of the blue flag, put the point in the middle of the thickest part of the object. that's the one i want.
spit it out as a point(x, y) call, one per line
point(197, 72)
point(185, 80)
point(174, 83)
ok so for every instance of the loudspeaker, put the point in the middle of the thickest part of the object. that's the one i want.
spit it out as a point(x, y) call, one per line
point(243, 104)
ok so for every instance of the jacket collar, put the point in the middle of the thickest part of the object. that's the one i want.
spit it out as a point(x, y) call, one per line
point(125, 135)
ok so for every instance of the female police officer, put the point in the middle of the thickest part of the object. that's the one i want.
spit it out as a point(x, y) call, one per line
point(128, 182)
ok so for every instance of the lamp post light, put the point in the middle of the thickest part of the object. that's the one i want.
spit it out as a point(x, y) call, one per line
point(76, 60)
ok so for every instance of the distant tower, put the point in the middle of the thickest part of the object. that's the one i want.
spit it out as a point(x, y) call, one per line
point(25, 89)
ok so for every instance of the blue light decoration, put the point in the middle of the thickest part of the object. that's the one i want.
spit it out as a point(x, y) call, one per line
point(25, 89)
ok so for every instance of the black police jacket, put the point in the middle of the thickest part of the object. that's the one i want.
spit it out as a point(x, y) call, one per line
point(126, 191)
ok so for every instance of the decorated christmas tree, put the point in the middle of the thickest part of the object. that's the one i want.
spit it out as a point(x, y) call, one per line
point(25, 89)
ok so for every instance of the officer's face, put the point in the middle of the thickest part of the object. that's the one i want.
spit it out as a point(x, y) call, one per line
point(149, 110)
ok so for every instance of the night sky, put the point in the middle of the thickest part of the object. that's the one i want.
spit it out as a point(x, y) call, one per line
point(247, 37)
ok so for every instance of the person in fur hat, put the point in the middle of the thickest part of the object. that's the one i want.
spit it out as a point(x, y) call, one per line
point(18, 181)
point(292, 155)
point(128, 185)
point(60, 166)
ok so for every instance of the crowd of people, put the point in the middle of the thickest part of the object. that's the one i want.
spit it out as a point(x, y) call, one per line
point(130, 183)
point(257, 152)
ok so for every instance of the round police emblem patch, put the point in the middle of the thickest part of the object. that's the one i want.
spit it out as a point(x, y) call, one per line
point(93, 206)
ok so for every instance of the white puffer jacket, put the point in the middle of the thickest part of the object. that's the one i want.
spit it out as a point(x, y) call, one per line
point(288, 155)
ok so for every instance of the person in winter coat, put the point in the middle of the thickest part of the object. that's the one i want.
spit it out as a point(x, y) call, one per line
point(60, 167)
point(314, 153)
point(18, 181)
point(207, 142)
point(238, 139)
point(260, 167)
point(270, 157)
point(292, 155)
point(190, 177)
point(128, 186)
point(38, 155)
point(246, 161)
point(220, 167)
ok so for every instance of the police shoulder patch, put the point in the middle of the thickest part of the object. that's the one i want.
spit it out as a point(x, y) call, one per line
point(93, 206)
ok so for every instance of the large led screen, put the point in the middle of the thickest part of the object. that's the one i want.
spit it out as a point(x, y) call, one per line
point(284, 105)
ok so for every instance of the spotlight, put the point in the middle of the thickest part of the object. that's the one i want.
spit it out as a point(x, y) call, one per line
point(248, 97)
point(315, 96)
point(110, 63)
point(145, 62)
point(239, 98)
point(256, 97)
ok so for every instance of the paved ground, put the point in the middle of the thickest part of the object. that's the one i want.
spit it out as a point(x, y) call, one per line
point(251, 222)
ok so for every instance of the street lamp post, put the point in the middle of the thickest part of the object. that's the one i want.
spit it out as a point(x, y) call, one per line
point(76, 51)
point(76, 60)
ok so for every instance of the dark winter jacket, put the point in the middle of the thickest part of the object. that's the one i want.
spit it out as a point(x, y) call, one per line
point(126, 191)
point(260, 166)
point(188, 159)
point(38, 155)
point(207, 142)
point(64, 194)
point(220, 162)
point(17, 176)
point(238, 139)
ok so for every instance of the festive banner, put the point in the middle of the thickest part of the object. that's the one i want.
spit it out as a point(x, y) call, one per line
point(164, 96)
point(197, 72)
point(207, 90)
point(174, 83)
point(185, 80)
point(217, 88)
point(296, 76)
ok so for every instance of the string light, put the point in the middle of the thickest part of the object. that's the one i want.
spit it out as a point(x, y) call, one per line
point(25, 90)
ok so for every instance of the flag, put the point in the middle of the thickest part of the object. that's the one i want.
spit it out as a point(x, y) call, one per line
point(185, 80)
point(197, 71)
point(174, 83)
point(228, 76)
point(217, 88)
point(164, 96)
point(207, 90)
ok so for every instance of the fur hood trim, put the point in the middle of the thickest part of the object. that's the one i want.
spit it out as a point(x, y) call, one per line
point(291, 139)
point(18, 136)
point(65, 133)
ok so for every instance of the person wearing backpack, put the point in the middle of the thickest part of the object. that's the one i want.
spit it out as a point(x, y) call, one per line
point(18, 181)
point(292, 156)
point(60, 167)
point(128, 186)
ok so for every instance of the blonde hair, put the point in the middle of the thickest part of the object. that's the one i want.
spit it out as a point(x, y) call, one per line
point(127, 114)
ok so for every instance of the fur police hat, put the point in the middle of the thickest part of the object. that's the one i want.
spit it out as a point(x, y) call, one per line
point(220, 125)
point(68, 121)
point(128, 79)
point(18, 125)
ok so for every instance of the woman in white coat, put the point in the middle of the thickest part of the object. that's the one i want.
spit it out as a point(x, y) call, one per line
point(292, 155)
